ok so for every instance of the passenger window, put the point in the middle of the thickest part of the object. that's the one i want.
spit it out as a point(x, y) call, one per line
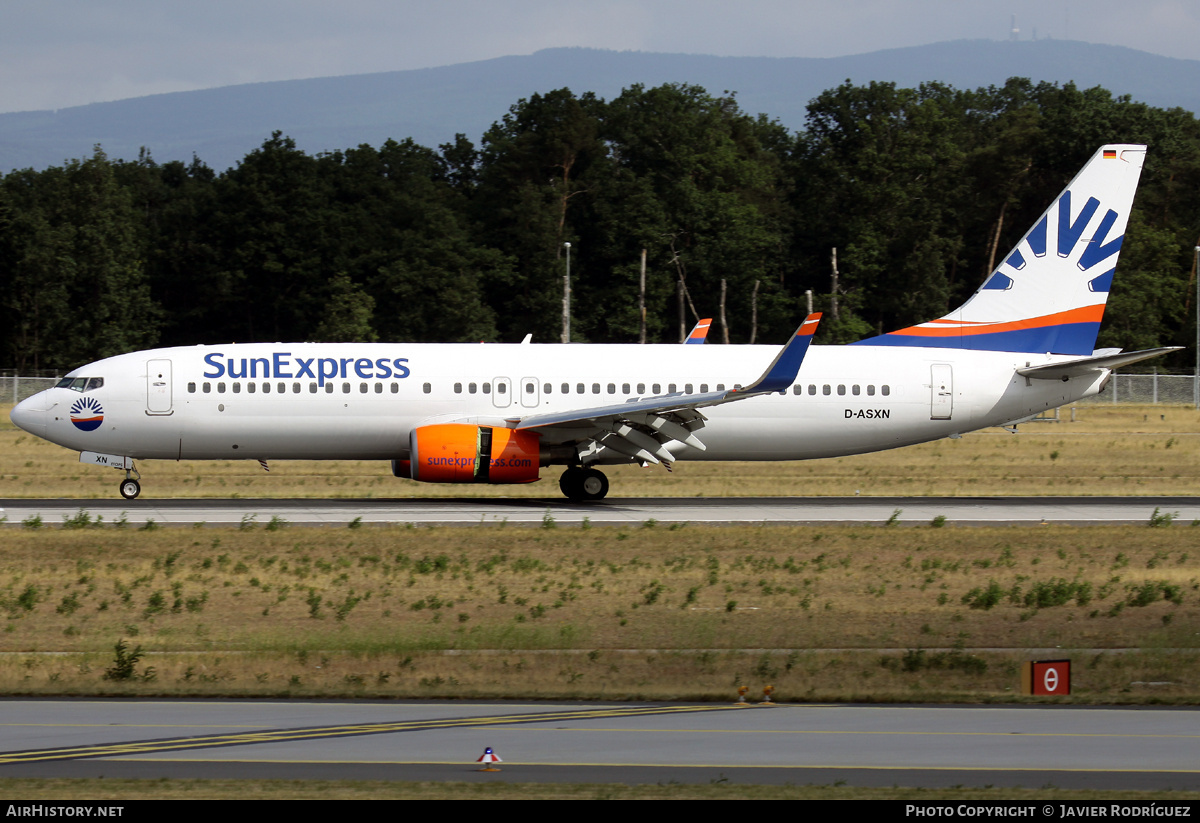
point(641, 388)
point(657, 388)
point(530, 388)
point(547, 388)
point(870, 390)
point(854, 390)
point(363, 388)
point(427, 388)
point(612, 388)
point(395, 388)
point(458, 388)
point(812, 388)
point(266, 388)
point(312, 388)
point(379, 388)
point(687, 388)
point(624, 388)
point(885, 391)
point(704, 388)
point(220, 388)
point(841, 390)
point(345, 388)
point(595, 388)
point(501, 388)
point(579, 388)
point(295, 388)
point(566, 388)
point(191, 388)
point(329, 388)
point(720, 387)
point(207, 388)
point(472, 388)
point(825, 390)
point(237, 388)
point(487, 388)
point(670, 388)
point(797, 389)
point(250, 387)
point(282, 388)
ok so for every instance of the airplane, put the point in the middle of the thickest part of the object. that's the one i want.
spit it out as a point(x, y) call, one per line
point(1023, 343)
point(699, 332)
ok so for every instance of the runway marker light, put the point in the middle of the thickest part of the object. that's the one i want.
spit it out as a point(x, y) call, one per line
point(741, 701)
point(488, 757)
point(767, 692)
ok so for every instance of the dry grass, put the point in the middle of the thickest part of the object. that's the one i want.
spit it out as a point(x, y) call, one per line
point(1118, 450)
point(651, 612)
point(725, 788)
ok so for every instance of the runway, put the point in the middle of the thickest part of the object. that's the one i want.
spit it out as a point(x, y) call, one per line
point(977, 511)
point(1153, 749)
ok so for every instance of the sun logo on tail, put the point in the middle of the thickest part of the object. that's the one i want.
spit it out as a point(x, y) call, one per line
point(87, 414)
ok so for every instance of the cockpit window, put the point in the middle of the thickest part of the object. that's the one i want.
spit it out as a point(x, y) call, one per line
point(80, 384)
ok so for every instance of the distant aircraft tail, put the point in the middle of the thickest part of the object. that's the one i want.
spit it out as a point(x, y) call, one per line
point(1049, 293)
point(699, 332)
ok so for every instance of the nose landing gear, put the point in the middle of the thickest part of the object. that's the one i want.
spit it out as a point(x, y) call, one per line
point(130, 488)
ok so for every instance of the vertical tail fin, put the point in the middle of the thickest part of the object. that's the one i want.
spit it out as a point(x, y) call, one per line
point(699, 332)
point(1049, 293)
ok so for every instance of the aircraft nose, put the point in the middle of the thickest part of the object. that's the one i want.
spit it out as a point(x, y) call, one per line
point(30, 415)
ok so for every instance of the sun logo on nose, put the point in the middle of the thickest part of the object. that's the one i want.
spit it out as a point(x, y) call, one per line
point(87, 414)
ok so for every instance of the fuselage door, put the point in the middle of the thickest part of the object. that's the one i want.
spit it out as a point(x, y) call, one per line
point(941, 401)
point(502, 392)
point(530, 395)
point(158, 387)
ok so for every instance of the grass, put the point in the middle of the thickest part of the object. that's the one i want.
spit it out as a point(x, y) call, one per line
point(842, 613)
point(1109, 450)
point(63, 790)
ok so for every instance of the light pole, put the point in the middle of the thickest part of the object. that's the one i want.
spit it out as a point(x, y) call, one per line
point(1196, 376)
point(566, 333)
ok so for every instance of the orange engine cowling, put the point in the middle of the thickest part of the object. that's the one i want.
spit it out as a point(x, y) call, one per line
point(462, 453)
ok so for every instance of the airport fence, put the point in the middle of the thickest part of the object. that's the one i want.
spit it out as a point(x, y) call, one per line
point(1143, 389)
point(15, 388)
point(1140, 389)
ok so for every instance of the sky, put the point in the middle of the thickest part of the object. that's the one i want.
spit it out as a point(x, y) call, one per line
point(60, 53)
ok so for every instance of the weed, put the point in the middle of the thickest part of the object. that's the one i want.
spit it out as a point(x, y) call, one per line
point(548, 520)
point(1159, 521)
point(981, 598)
point(124, 665)
point(149, 525)
point(356, 523)
point(276, 524)
point(33, 522)
point(81, 520)
point(895, 518)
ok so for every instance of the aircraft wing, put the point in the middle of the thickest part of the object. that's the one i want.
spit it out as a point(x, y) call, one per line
point(1086, 365)
point(642, 428)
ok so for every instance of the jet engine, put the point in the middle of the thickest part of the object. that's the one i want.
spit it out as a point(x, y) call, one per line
point(463, 453)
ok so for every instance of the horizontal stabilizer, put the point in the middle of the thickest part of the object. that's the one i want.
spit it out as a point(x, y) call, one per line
point(1088, 365)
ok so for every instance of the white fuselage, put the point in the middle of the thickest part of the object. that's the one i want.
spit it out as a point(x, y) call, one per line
point(361, 401)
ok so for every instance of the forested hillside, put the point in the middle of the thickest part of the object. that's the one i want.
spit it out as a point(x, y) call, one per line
point(920, 190)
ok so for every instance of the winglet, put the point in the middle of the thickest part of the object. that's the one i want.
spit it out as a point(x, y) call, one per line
point(786, 365)
point(699, 332)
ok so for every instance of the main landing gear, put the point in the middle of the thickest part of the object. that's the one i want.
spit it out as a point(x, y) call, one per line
point(579, 483)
